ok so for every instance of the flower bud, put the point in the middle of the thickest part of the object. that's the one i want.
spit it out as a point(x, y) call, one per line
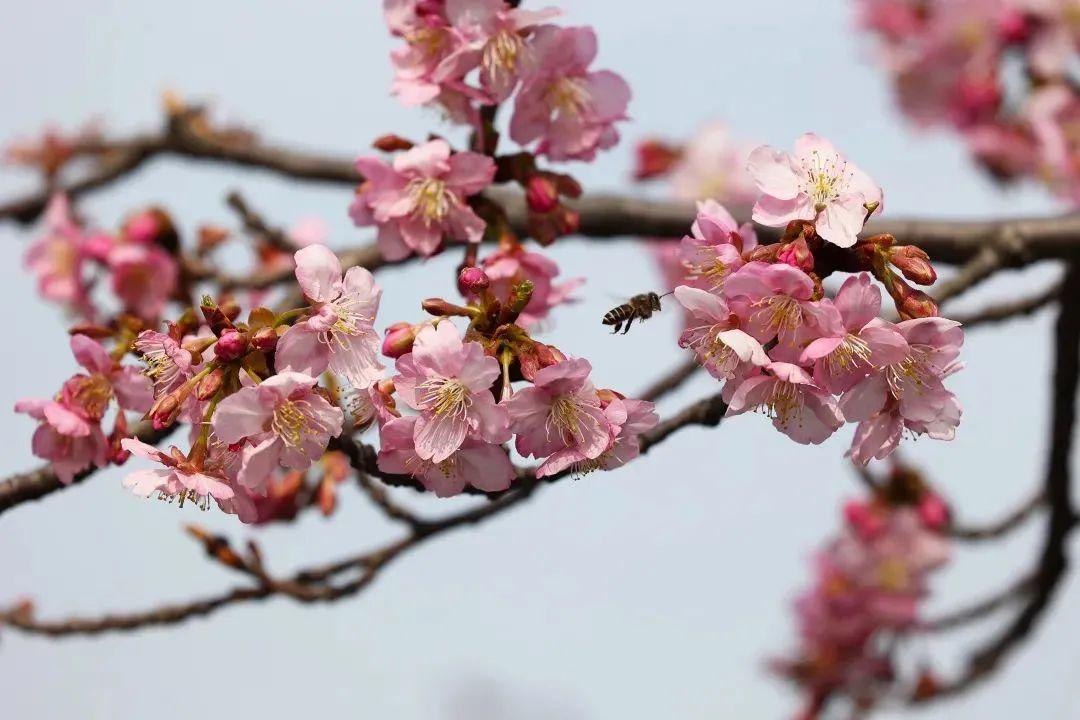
point(933, 511)
point(917, 304)
point(399, 339)
point(164, 411)
point(142, 228)
point(391, 143)
point(797, 254)
point(654, 159)
point(97, 332)
point(215, 316)
point(1014, 26)
point(520, 295)
point(265, 339)
point(472, 280)
point(441, 308)
point(231, 345)
point(541, 193)
point(865, 518)
point(914, 263)
point(209, 385)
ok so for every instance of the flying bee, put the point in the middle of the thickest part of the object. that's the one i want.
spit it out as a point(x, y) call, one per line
point(640, 307)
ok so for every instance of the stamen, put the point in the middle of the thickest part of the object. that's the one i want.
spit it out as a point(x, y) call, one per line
point(568, 95)
point(294, 422)
point(431, 201)
point(445, 396)
point(783, 314)
point(848, 355)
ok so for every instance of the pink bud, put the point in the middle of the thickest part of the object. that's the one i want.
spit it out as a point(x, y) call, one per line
point(164, 412)
point(209, 385)
point(914, 263)
point(541, 193)
point(863, 518)
point(399, 339)
point(265, 339)
point(797, 254)
point(231, 345)
point(1014, 27)
point(472, 281)
point(933, 511)
point(142, 228)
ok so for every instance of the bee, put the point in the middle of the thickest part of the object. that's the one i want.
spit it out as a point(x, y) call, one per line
point(640, 307)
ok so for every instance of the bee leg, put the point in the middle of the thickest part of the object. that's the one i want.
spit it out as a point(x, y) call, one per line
point(618, 326)
point(628, 324)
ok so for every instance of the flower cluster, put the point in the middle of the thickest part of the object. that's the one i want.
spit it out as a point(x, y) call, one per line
point(869, 584)
point(468, 54)
point(951, 61)
point(69, 433)
point(762, 323)
point(139, 261)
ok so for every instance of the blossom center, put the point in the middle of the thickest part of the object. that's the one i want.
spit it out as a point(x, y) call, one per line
point(784, 402)
point(430, 42)
point(92, 394)
point(824, 179)
point(61, 256)
point(709, 268)
point(446, 396)
point(913, 371)
point(294, 422)
point(503, 53)
point(848, 355)
point(431, 200)
point(565, 417)
point(569, 96)
point(712, 350)
point(892, 574)
point(782, 313)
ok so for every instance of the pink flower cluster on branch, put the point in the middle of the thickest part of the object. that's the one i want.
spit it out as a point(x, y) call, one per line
point(952, 60)
point(870, 582)
point(468, 54)
point(761, 321)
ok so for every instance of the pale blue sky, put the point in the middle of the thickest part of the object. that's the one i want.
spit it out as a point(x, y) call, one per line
point(653, 592)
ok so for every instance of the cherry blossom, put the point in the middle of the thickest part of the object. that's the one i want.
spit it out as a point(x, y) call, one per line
point(56, 257)
point(713, 333)
point(340, 334)
point(560, 412)
point(787, 394)
point(816, 183)
point(715, 247)
point(282, 420)
point(178, 479)
point(70, 442)
point(475, 462)
point(449, 383)
point(508, 267)
point(567, 110)
point(419, 200)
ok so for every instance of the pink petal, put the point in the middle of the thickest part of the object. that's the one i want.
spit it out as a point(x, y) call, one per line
point(318, 271)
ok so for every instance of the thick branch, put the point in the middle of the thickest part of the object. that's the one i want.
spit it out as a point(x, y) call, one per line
point(1053, 561)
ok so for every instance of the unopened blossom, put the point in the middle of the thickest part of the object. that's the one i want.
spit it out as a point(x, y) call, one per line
point(68, 440)
point(282, 421)
point(143, 278)
point(419, 200)
point(508, 267)
point(56, 257)
point(475, 462)
point(568, 111)
point(776, 298)
point(340, 334)
point(449, 383)
point(712, 165)
point(854, 342)
point(494, 39)
point(560, 411)
point(179, 478)
point(714, 335)
point(715, 247)
point(816, 183)
point(787, 394)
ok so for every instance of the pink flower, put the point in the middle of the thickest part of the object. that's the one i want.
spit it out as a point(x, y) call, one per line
point(627, 420)
point(916, 381)
point(854, 340)
point(567, 110)
point(798, 408)
point(168, 365)
point(713, 166)
point(508, 267)
point(65, 438)
point(178, 479)
point(420, 199)
point(143, 277)
point(560, 411)
point(715, 247)
point(91, 394)
point(340, 335)
point(429, 41)
point(776, 300)
point(713, 334)
point(495, 41)
point(483, 465)
point(449, 383)
point(817, 184)
point(56, 257)
point(285, 420)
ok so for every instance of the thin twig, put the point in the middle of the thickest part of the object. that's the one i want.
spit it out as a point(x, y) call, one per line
point(1003, 526)
point(999, 312)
